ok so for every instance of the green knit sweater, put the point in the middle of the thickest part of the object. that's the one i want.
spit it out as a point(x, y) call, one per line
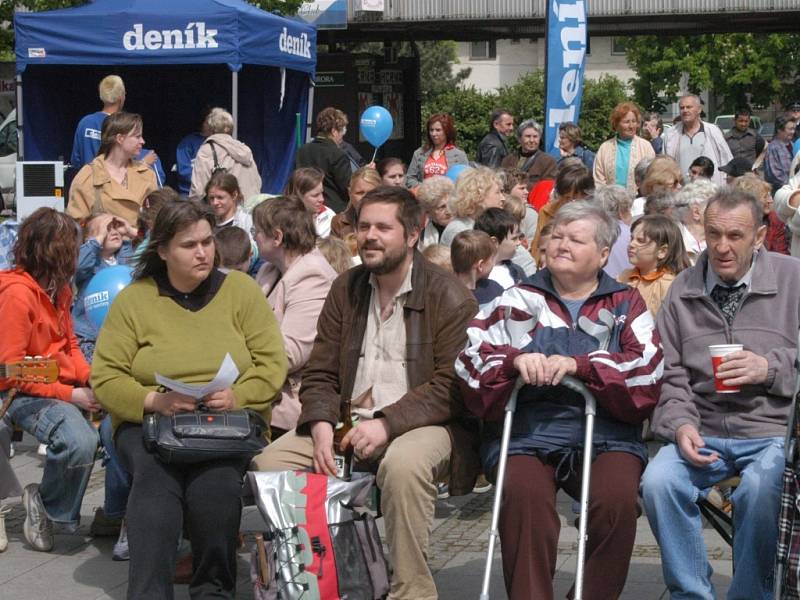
point(145, 333)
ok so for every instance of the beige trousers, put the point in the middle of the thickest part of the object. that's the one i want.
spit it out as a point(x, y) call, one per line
point(407, 477)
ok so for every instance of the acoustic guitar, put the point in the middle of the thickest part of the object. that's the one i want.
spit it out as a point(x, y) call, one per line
point(31, 369)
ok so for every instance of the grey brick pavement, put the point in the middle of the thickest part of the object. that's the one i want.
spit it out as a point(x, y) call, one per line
point(80, 567)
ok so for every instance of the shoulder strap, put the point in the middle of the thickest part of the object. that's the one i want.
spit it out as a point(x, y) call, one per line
point(529, 163)
point(214, 154)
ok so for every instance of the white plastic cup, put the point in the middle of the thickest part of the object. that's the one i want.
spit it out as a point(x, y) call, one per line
point(718, 351)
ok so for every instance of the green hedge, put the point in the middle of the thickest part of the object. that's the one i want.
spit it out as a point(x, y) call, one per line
point(470, 108)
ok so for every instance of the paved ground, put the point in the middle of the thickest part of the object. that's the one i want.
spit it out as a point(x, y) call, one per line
point(80, 567)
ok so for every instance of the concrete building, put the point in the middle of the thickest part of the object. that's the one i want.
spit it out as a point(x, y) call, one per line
point(502, 62)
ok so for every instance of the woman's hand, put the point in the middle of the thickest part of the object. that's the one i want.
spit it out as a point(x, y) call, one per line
point(168, 403)
point(98, 228)
point(222, 400)
point(538, 369)
point(84, 398)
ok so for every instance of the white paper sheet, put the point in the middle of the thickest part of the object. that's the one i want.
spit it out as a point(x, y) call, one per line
point(225, 378)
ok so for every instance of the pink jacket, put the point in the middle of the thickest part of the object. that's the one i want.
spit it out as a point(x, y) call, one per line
point(297, 298)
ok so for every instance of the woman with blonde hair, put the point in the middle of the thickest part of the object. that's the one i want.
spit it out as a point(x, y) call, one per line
point(476, 190)
point(362, 181)
point(616, 158)
point(221, 152)
point(114, 182)
point(662, 176)
point(434, 196)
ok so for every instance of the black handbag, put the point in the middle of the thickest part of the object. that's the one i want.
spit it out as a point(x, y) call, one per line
point(201, 435)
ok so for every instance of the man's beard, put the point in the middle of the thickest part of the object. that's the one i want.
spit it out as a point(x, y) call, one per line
point(391, 259)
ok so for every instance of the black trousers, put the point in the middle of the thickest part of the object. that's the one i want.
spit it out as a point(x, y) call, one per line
point(205, 495)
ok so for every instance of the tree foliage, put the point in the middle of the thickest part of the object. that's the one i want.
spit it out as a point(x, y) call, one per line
point(734, 67)
point(470, 108)
point(436, 60)
point(283, 7)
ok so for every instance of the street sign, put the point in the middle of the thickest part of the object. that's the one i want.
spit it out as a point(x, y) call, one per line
point(324, 14)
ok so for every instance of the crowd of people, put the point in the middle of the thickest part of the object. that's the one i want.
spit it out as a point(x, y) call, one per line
point(420, 299)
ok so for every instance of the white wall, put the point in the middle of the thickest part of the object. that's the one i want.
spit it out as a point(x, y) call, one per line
point(514, 59)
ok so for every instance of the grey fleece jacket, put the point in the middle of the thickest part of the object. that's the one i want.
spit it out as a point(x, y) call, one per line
point(766, 324)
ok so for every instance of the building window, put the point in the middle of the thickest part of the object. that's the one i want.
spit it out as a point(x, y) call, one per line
point(483, 50)
point(617, 46)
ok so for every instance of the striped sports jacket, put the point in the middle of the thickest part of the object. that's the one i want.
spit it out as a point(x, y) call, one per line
point(618, 354)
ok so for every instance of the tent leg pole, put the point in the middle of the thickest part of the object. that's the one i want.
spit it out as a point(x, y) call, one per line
point(310, 111)
point(20, 121)
point(235, 103)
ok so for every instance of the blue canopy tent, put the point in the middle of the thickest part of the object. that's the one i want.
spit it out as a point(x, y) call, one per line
point(176, 57)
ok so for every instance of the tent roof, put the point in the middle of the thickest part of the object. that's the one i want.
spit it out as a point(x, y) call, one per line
point(162, 32)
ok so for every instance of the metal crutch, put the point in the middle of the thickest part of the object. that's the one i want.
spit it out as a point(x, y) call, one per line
point(590, 411)
point(511, 406)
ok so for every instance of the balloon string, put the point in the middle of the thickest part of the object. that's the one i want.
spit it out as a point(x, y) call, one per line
point(374, 154)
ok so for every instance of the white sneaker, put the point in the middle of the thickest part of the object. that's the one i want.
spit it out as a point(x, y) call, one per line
point(121, 551)
point(4, 510)
point(11, 451)
point(38, 528)
point(42, 450)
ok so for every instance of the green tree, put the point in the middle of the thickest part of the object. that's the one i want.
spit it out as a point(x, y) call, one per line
point(436, 60)
point(599, 99)
point(470, 108)
point(283, 7)
point(525, 98)
point(7, 16)
point(734, 67)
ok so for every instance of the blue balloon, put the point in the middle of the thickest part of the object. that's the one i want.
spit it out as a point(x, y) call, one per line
point(102, 290)
point(376, 125)
point(456, 170)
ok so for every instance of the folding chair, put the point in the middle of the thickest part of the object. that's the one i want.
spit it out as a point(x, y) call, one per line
point(494, 534)
point(789, 520)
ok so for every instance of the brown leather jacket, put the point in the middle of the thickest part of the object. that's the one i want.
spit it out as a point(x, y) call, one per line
point(437, 312)
point(542, 167)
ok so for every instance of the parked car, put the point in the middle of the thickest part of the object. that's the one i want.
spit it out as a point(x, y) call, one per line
point(725, 122)
point(767, 131)
point(8, 157)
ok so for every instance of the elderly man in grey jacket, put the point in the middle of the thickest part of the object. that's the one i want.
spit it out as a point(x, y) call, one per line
point(737, 293)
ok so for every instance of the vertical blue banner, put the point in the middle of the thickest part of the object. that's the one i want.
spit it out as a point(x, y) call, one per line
point(566, 60)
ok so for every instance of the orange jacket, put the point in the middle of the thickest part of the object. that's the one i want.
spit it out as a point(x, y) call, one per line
point(32, 326)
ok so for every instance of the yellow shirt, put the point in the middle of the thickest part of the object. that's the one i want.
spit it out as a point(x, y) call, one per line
point(653, 286)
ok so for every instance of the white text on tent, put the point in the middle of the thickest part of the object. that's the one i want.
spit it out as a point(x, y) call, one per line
point(299, 46)
point(170, 39)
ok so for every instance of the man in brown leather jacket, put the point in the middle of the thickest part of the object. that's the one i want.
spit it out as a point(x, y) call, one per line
point(387, 339)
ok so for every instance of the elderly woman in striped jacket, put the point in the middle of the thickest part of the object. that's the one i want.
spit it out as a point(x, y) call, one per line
point(568, 319)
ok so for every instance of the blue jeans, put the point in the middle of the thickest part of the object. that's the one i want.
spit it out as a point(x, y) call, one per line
point(71, 447)
point(118, 480)
point(670, 489)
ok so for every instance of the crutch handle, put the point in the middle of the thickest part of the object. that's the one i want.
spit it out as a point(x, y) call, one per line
point(576, 385)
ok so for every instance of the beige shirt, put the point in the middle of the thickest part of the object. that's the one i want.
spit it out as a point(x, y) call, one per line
point(381, 376)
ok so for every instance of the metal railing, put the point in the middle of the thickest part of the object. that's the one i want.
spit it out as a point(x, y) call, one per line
point(426, 10)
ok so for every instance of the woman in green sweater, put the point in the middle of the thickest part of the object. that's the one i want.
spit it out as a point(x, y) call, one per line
point(180, 317)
